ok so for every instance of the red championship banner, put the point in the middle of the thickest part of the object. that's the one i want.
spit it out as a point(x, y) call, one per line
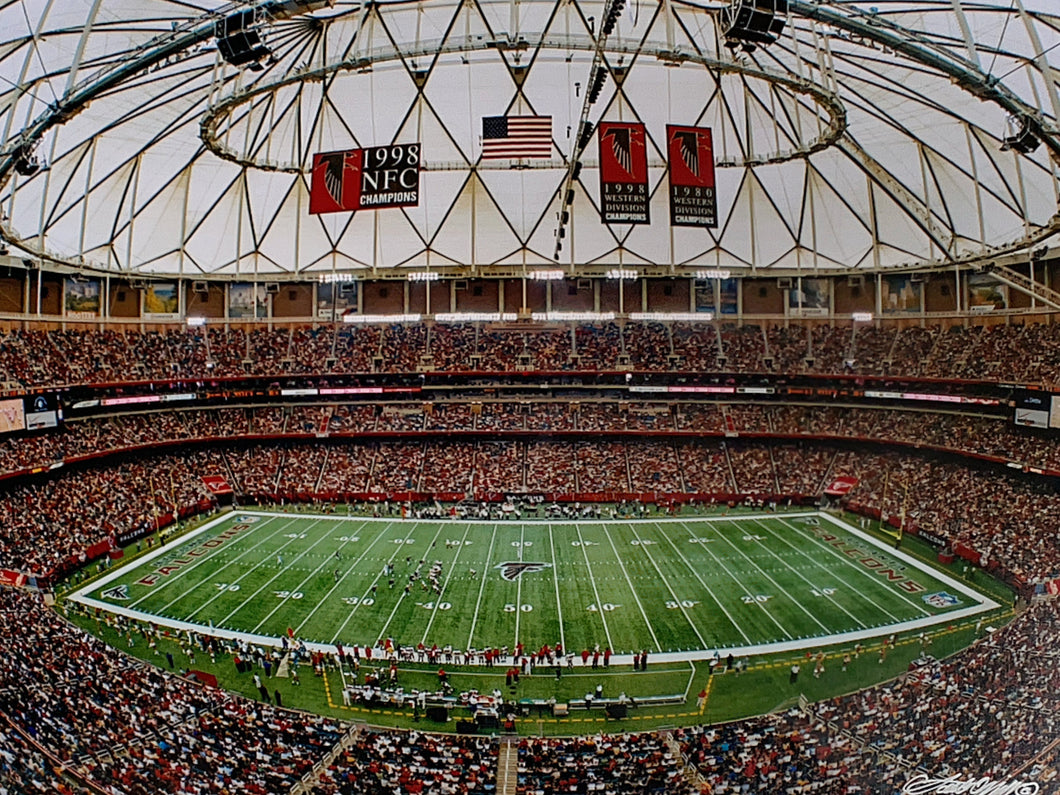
point(216, 484)
point(841, 486)
point(358, 179)
point(336, 182)
point(624, 195)
point(693, 201)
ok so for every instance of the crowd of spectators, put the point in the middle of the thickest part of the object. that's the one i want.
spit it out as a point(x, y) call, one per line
point(121, 723)
point(409, 763)
point(26, 770)
point(980, 435)
point(998, 353)
point(1004, 520)
point(44, 523)
point(109, 719)
point(601, 763)
point(1007, 522)
point(991, 711)
point(988, 711)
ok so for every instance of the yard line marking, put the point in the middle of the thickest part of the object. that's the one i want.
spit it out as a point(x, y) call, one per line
point(481, 588)
point(200, 583)
point(866, 572)
point(734, 578)
point(254, 568)
point(401, 597)
point(779, 587)
point(360, 527)
point(632, 589)
point(411, 529)
point(555, 579)
point(592, 580)
point(666, 582)
point(175, 577)
point(794, 570)
point(519, 587)
point(438, 601)
point(250, 598)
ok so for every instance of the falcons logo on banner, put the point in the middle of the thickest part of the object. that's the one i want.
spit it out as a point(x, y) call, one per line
point(335, 183)
point(688, 149)
point(512, 570)
point(620, 148)
point(623, 173)
point(692, 188)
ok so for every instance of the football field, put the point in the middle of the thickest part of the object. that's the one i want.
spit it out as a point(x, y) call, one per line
point(682, 588)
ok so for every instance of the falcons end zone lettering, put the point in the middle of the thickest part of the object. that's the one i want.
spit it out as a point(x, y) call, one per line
point(365, 179)
point(623, 173)
point(693, 199)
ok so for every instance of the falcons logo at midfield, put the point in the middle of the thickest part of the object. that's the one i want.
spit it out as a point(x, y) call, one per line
point(689, 150)
point(512, 570)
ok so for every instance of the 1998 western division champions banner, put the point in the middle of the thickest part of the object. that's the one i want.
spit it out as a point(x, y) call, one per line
point(623, 173)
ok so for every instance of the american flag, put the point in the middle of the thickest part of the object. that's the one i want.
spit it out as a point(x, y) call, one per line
point(514, 137)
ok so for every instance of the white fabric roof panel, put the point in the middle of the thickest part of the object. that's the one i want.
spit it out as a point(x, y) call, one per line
point(916, 174)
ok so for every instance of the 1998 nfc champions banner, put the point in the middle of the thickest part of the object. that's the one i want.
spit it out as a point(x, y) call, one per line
point(365, 179)
point(623, 173)
point(693, 201)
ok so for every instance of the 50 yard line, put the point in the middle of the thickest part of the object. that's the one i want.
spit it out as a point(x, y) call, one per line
point(519, 586)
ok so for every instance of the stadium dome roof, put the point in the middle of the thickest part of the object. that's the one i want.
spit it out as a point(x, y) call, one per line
point(869, 136)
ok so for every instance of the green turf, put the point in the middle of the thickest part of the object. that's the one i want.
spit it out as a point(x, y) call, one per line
point(688, 585)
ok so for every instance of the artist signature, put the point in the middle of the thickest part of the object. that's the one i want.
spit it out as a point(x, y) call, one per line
point(922, 785)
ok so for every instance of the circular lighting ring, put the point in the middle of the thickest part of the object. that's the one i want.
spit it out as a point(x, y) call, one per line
point(213, 126)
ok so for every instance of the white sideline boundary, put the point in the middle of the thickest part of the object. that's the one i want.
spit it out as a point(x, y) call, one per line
point(81, 595)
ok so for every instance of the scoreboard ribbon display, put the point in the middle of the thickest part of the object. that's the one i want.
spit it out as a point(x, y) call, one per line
point(623, 173)
point(693, 200)
point(365, 179)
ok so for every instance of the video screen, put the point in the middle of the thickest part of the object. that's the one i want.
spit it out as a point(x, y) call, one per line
point(42, 411)
point(12, 416)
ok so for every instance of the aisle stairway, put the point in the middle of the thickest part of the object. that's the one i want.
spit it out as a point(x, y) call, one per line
point(508, 766)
